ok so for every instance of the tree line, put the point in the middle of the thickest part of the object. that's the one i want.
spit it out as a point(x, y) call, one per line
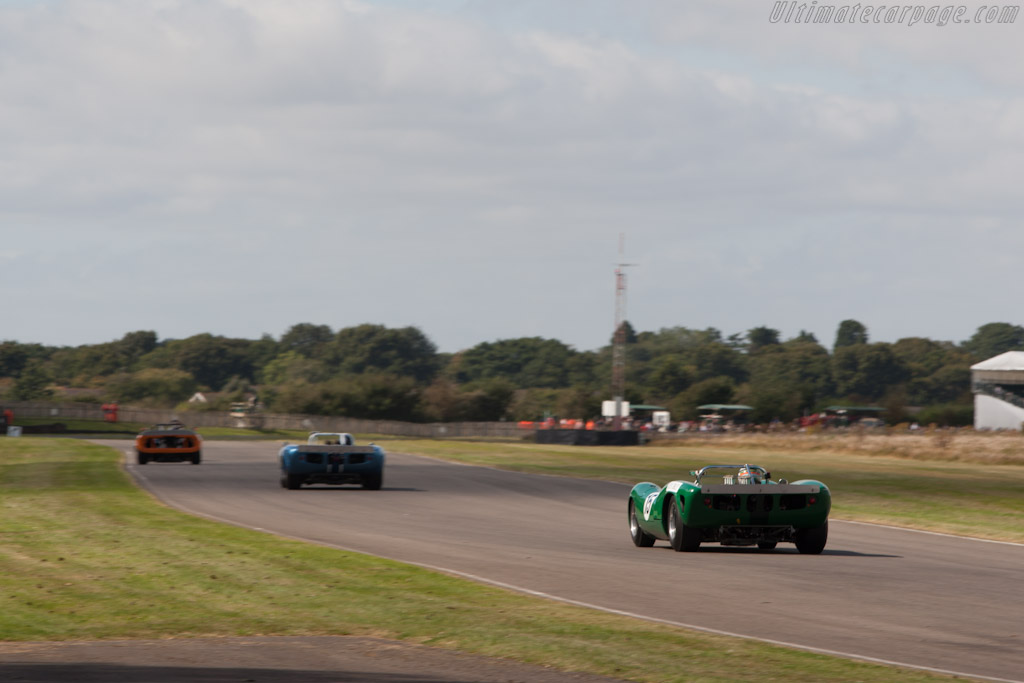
point(373, 371)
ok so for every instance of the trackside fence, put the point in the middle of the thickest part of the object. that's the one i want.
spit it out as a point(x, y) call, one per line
point(58, 412)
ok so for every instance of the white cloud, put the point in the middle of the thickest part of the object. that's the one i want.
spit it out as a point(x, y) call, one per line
point(468, 168)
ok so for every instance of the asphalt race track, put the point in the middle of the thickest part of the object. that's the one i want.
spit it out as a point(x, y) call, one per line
point(926, 600)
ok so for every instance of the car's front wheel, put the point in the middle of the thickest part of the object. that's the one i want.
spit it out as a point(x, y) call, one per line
point(811, 541)
point(291, 481)
point(641, 539)
point(683, 538)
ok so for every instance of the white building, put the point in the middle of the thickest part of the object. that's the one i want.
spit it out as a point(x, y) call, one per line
point(998, 386)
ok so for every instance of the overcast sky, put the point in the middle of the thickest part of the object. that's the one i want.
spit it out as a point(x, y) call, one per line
point(467, 166)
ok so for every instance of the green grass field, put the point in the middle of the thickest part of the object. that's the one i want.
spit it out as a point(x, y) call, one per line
point(85, 554)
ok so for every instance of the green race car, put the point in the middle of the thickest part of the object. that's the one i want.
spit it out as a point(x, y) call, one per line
point(735, 505)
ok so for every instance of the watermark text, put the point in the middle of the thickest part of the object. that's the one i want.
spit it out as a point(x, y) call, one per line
point(802, 12)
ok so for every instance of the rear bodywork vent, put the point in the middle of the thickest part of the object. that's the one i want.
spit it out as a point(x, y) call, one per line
point(792, 501)
point(758, 503)
point(725, 502)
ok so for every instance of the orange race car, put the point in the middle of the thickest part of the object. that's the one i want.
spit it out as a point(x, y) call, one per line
point(171, 442)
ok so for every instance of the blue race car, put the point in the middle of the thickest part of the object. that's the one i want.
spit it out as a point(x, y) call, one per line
point(331, 458)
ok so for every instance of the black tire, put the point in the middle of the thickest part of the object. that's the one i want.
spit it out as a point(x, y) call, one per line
point(197, 458)
point(373, 481)
point(684, 539)
point(811, 541)
point(641, 539)
point(292, 481)
point(767, 545)
point(141, 458)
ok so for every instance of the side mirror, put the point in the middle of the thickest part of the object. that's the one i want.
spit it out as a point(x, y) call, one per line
point(783, 481)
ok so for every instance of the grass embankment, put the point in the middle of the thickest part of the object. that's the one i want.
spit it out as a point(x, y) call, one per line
point(127, 430)
point(886, 480)
point(84, 554)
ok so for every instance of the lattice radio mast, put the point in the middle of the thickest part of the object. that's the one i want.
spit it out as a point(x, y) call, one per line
point(619, 336)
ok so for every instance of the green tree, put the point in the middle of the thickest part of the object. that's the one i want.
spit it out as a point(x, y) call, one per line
point(486, 401)
point(440, 401)
point(948, 384)
point(291, 366)
point(33, 384)
point(368, 396)
point(534, 404)
point(948, 415)
point(939, 371)
point(715, 359)
point(787, 379)
point(578, 403)
point(711, 390)
point(307, 339)
point(678, 340)
point(867, 370)
point(926, 355)
point(993, 339)
point(135, 345)
point(582, 368)
point(153, 386)
point(14, 357)
point(80, 364)
point(669, 375)
point(405, 352)
point(211, 360)
point(526, 362)
point(850, 332)
point(760, 337)
point(771, 401)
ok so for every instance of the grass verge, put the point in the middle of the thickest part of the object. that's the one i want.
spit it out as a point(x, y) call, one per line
point(128, 430)
point(954, 496)
point(84, 554)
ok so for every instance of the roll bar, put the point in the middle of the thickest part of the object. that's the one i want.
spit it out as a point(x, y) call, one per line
point(700, 473)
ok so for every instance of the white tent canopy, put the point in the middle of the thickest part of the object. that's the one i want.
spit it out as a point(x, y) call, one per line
point(996, 407)
point(1009, 361)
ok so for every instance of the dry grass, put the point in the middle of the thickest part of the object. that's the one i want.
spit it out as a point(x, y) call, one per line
point(968, 446)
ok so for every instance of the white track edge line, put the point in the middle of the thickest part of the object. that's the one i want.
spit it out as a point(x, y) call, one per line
point(608, 610)
point(930, 533)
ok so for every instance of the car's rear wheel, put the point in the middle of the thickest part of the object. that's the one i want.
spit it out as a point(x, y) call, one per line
point(641, 539)
point(767, 545)
point(374, 481)
point(291, 481)
point(811, 541)
point(683, 538)
point(141, 458)
point(197, 458)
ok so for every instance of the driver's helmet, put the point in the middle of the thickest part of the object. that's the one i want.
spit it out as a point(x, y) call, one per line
point(747, 476)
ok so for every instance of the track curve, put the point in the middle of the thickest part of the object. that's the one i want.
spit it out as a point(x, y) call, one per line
point(931, 601)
